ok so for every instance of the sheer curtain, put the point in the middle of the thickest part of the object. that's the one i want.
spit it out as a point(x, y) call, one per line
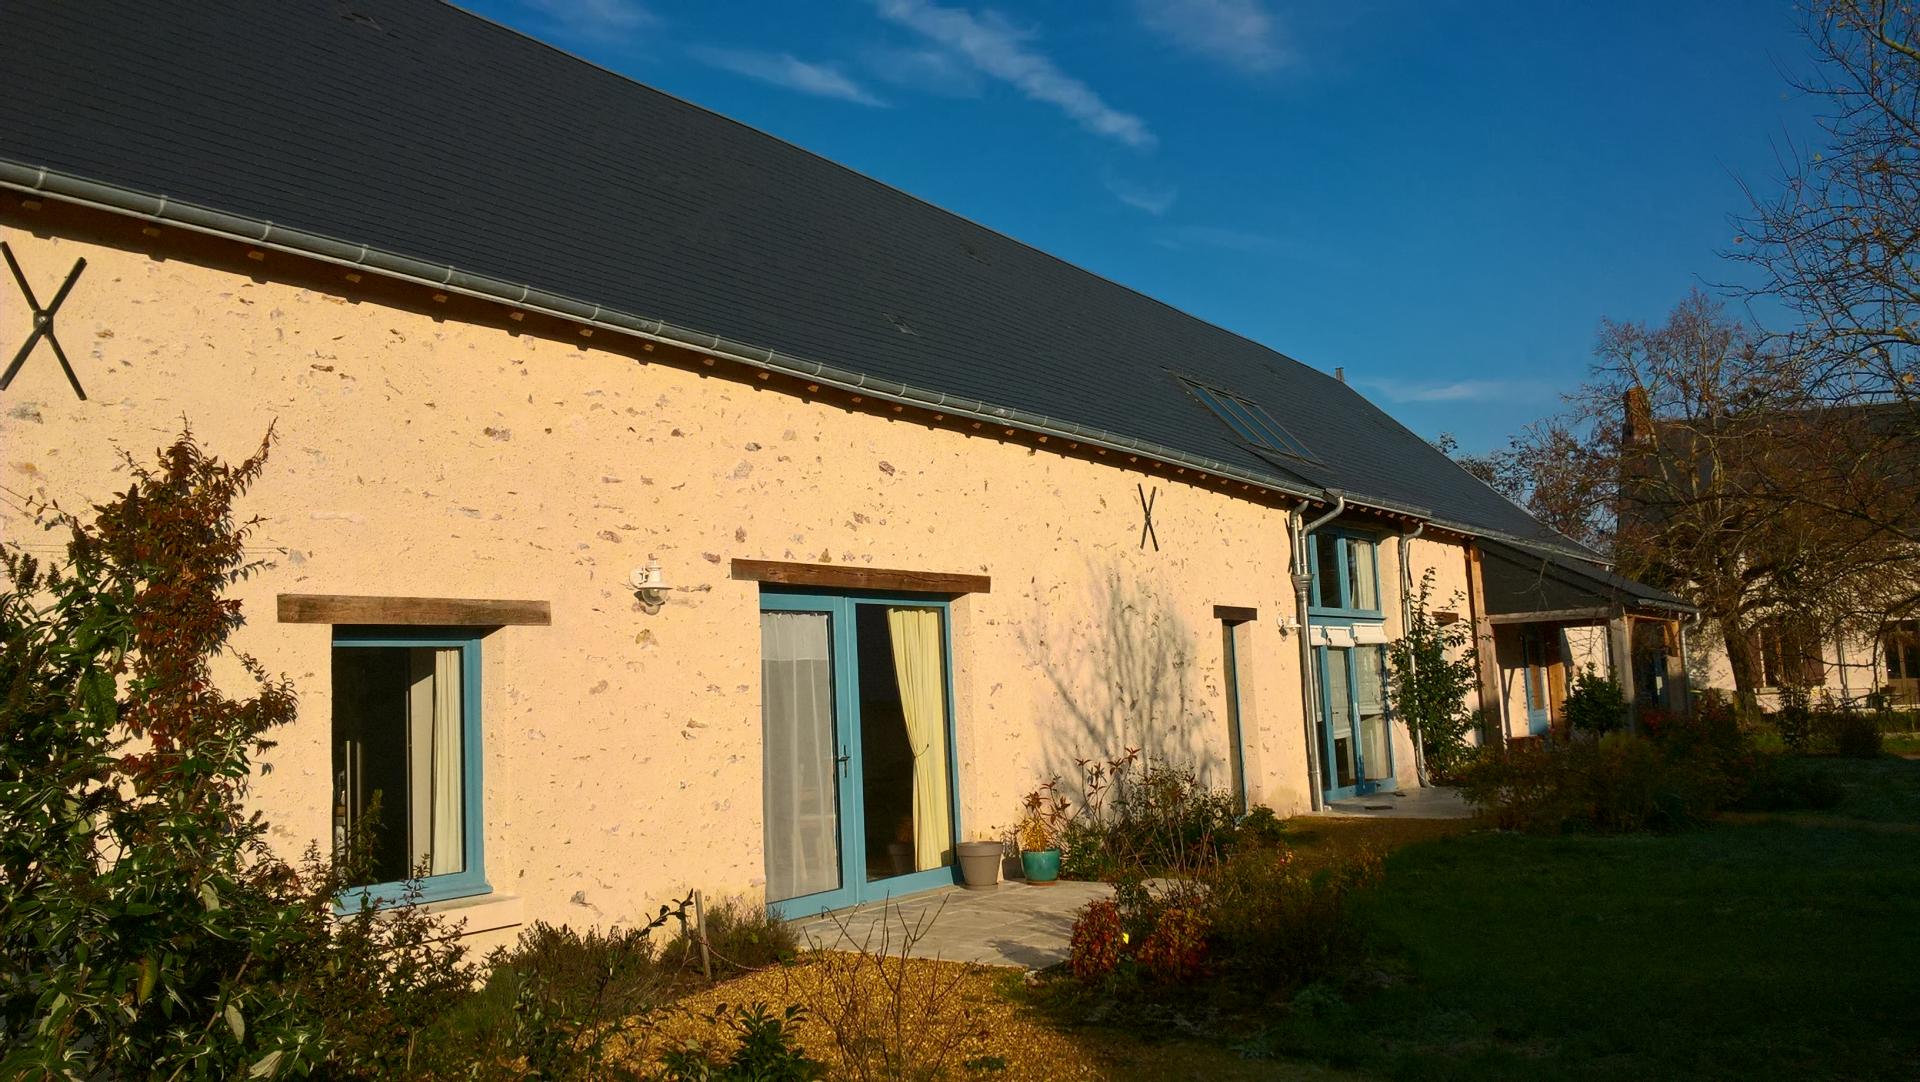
point(449, 774)
point(1366, 592)
point(802, 826)
point(1370, 678)
point(918, 664)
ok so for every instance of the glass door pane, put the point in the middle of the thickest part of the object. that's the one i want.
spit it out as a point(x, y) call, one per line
point(1339, 709)
point(1370, 701)
point(802, 803)
point(399, 760)
point(907, 800)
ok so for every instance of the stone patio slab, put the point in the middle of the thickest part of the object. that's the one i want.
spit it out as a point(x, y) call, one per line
point(1015, 924)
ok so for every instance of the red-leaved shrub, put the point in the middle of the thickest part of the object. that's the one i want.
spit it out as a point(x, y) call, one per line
point(1094, 951)
point(1175, 951)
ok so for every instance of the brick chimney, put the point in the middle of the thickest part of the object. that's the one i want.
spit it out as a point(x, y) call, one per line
point(1638, 420)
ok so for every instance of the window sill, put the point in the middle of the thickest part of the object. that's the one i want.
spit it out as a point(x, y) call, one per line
point(481, 912)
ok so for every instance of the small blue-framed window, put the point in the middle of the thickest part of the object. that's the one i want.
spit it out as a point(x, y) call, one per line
point(1345, 569)
point(406, 768)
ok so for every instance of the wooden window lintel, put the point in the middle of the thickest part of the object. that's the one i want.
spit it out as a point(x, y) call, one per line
point(415, 611)
point(852, 577)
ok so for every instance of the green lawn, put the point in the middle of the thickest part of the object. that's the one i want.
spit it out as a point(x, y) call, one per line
point(1777, 947)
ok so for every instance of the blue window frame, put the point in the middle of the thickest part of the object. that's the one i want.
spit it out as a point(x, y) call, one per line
point(841, 873)
point(1248, 420)
point(1345, 568)
point(407, 750)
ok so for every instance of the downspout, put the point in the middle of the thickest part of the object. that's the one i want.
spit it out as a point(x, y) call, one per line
point(1406, 622)
point(1302, 580)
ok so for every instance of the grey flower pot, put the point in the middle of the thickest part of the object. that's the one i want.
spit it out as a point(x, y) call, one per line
point(979, 864)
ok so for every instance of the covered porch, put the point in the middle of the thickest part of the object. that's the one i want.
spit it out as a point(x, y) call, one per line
point(1545, 616)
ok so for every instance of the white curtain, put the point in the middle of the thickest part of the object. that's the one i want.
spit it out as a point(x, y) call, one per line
point(1369, 678)
point(1366, 592)
point(918, 665)
point(802, 827)
point(449, 774)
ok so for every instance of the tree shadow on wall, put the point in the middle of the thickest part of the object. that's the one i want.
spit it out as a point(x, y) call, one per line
point(1122, 674)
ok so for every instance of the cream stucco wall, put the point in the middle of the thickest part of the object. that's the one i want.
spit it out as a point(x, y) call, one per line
point(1854, 665)
point(421, 457)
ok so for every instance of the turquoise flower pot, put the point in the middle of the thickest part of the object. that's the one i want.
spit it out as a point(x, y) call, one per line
point(1041, 865)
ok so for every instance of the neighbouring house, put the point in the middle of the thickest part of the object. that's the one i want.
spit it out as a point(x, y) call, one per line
point(655, 504)
point(1846, 633)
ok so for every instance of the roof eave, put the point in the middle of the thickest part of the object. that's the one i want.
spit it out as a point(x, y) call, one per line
point(41, 181)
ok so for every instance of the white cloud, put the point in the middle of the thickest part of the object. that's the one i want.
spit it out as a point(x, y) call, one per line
point(1463, 390)
point(595, 16)
point(1241, 33)
point(929, 71)
point(787, 70)
point(1212, 236)
point(1152, 198)
point(990, 44)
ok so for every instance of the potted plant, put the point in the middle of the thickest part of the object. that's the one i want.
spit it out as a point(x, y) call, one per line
point(1039, 833)
point(1039, 852)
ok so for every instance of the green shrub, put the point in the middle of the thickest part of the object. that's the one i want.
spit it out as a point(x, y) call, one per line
point(1855, 735)
point(765, 1049)
point(1140, 820)
point(1430, 673)
point(146, 927)
point(1259, 827)
point(1277, 924)
point(1785, 785)
point(1595, 704)
point(741, 937)
point(1257, 920)
point(1794, 719)
point(1618, 783)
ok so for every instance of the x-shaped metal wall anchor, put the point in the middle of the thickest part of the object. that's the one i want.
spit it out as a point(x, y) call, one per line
point(42, 321)
point(1146, 507)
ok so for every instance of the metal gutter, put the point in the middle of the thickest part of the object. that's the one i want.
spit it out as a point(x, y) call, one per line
point(447, 278)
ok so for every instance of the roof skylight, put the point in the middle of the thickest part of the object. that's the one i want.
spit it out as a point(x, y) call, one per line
point(1249, 421)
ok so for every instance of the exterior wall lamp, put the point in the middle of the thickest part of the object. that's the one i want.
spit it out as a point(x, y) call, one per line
point(650, 586)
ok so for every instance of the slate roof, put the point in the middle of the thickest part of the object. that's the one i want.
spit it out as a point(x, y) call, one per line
point(1519, 580)
point(413, 127)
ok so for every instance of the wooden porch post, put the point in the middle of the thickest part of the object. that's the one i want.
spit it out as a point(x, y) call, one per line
point(1620, 660)
point(1676, 668)
point(1493, 704)
point(1557, 683)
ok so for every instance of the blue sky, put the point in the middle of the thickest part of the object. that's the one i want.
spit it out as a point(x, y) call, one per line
point(1442, 196)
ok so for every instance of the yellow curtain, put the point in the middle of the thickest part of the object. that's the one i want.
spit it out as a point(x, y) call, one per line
point(918, 665)
point(449, 852)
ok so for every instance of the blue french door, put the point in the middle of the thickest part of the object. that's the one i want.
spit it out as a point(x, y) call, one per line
point(856, 711)
point(1356, 752)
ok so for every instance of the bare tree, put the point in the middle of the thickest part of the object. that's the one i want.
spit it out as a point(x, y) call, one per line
point(1839, 240)
point(1697, 455)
